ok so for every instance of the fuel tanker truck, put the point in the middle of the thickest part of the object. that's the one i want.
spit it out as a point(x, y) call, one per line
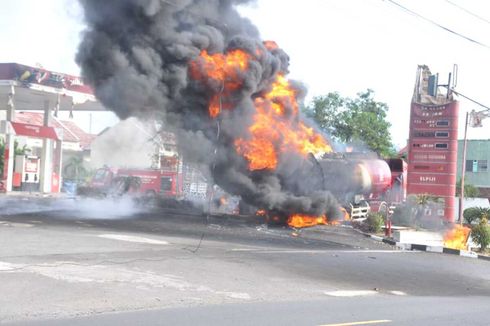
point(360, 182)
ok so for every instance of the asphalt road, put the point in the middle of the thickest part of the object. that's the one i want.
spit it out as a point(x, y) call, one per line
point(340, 311)
point(90, 262)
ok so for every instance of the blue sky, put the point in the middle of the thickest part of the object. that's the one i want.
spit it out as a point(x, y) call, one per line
point(334, 45)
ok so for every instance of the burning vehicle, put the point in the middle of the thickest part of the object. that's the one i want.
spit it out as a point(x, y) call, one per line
point(204, 71)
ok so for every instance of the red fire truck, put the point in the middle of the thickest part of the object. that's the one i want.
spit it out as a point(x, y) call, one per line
point(149, 182)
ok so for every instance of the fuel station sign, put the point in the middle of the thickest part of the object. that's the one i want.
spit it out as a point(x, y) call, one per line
point(432, 153)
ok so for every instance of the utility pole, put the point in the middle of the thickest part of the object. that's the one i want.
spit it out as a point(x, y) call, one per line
point(463, 170)
point(475, 119)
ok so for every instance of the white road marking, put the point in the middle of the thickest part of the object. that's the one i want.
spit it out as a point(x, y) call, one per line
point(266, 251)
point(132, 238)
point(236, 295)
point(401, 293)
point(351, 293)
point(14, 224)
point(366, 322)
point(5, 267)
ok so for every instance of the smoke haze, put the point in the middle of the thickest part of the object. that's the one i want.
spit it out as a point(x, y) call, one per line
point(137, 55)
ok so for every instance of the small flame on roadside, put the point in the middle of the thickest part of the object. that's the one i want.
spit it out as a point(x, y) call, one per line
point(345, 217)
point(302, 220)
point(223, 201)
point(261, 212)
point(457, 237)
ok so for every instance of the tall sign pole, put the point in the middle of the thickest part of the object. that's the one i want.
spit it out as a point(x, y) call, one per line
point(433, 144)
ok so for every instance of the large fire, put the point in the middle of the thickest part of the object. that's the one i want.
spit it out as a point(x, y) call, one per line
point(457, 237)
point(276, 127)
point(303, 221)
point(222, 72)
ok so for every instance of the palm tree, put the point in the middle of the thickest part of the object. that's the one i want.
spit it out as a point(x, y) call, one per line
point(75, 169)
point(470, 191)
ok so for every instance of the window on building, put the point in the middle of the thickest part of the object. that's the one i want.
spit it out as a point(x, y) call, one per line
point(442, 134)
point(482, 165)
point(441, 146)
point(423, 134)
point(476, 166)
point(442, 123)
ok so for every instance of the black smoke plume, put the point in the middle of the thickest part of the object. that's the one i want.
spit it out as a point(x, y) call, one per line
point(136, 54)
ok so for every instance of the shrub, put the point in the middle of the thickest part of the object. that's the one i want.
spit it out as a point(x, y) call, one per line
point(484, 213)
point(375, 222)
point(471, 215)
point(481, 234)
point(403, 215)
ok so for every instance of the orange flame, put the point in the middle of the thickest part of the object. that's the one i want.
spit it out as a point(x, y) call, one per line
point(220, 71)
point(302, 221)
point(457, 237)
point(276, 127)
point(223, 201)
point(346, 216)
point(261, 212)
point(270, 45)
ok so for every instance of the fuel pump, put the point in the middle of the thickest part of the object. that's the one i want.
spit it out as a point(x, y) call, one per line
point(27, 170)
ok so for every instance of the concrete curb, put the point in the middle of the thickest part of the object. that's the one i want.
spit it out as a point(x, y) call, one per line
point(434, 249)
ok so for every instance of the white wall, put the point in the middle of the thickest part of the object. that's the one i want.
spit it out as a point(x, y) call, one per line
point(471, 202)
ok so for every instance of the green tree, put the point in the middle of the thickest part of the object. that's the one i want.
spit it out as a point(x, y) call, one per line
point(75, 169)
point(481, 234)
point(474, 214)
point(17, 150)
point(360, 120)
point(470, 191)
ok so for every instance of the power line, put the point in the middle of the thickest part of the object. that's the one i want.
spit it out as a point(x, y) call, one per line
point(470, 99)
point(468, 12)
point(437, 24)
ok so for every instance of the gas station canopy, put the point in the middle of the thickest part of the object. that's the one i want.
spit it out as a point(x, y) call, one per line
point(29, 130)
point(36, 86)
point(27, 88)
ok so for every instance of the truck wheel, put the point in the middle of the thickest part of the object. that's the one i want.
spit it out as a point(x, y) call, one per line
point(150, 193)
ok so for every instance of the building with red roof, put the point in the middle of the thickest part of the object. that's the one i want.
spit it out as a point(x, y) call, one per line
point(74, 138)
